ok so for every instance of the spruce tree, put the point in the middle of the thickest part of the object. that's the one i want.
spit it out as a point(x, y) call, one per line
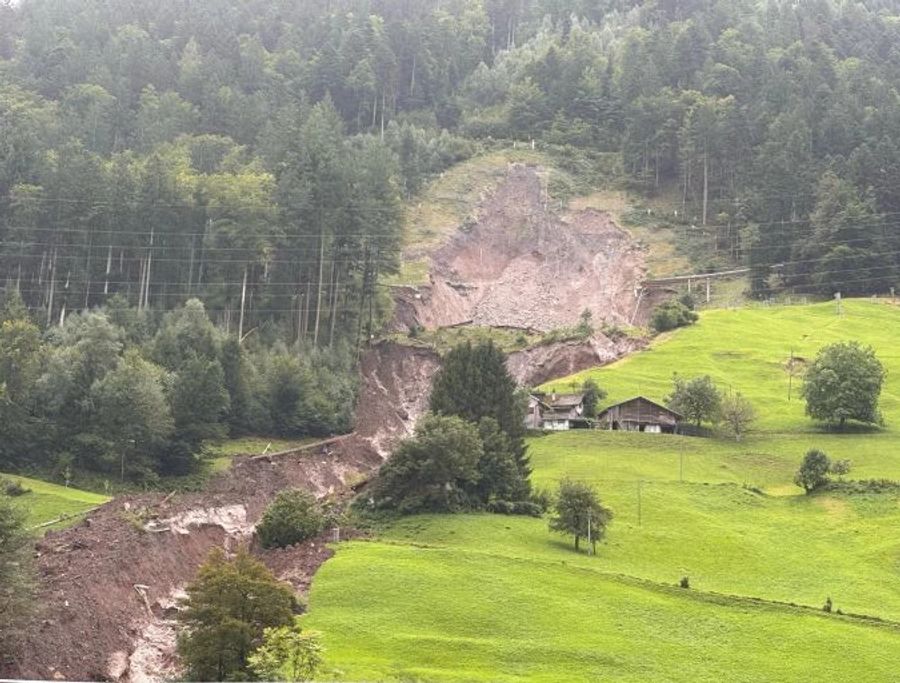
point(474, 383)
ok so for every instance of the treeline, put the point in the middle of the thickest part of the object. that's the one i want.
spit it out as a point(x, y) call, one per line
point(770, 127)
point(133, 396)
point(254, 154)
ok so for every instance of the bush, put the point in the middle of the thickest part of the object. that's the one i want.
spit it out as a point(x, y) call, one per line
point(685, 582)
point(292, 517)
point(671, 315)
point(520, 507)
point(543, 498)
point(14, 489)
point(813, 472)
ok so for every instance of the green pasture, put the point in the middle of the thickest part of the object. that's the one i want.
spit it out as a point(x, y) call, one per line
point(749, 350)
point(488, 597)
point(408, 612)
point(46, 502)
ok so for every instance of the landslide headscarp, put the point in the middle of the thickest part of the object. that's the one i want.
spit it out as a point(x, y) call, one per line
point(520, 264)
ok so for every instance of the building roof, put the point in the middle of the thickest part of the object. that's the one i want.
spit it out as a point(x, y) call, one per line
point(565, 400)
point(643, 398)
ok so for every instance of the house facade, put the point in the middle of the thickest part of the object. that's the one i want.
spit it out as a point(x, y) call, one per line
point(556, 412)
point(640, 414)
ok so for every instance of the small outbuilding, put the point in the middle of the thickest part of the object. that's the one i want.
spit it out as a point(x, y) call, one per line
point(640, 414)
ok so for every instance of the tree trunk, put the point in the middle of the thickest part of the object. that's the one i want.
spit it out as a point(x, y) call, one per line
point(335, 280)
point(108, 270)
point(705, 183)
point(52, 287)
point(577, 541)
point(319, 287)
point(243, 302)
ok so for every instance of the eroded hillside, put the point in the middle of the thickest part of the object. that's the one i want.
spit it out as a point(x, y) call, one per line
point(111, 584)
point(517, 263)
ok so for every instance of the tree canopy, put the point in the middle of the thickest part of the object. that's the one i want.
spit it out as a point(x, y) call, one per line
point(224, 617)
point(844, 383)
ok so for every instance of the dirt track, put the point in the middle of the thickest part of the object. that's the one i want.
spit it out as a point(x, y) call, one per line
point(108, 585)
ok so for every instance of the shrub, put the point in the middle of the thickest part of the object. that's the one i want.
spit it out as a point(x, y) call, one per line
point(543, 498)
point(291, 518)
point(685, 582)
point(670, 315)
point(827, 606)
point(813, 472)
point(14, 489)
point(519, 507)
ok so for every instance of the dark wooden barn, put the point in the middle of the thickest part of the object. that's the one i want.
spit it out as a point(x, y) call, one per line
point(640, 414)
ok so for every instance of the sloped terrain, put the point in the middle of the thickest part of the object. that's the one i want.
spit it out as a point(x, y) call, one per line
point(519, 264)
point(111, 583)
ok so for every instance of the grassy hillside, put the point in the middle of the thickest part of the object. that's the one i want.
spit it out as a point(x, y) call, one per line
point(484, 597)
point(749, 350)
point(47, 502)
point(467, 611)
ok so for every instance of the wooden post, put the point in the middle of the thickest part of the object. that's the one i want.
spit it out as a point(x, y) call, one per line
point(707, 290)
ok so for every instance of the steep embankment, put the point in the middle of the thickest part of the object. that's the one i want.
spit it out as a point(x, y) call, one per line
point(111, 583)
point(516, 263)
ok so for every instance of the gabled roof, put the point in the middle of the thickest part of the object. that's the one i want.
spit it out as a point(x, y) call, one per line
point(648, 400)
point(566, 400)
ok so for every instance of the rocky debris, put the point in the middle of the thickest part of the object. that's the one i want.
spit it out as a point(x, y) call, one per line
point(521, 265)
point(540, 364)
point(109, 586)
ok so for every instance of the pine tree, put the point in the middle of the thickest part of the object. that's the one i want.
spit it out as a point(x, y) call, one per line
point(474, 383)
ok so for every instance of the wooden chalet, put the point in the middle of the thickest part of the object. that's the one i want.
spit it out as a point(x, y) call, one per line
point(640, 414)
point(556, 412)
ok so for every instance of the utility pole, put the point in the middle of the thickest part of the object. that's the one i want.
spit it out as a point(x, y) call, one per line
point(837, 298)
point(639, 502)
point(791, 375)
point(590, 546)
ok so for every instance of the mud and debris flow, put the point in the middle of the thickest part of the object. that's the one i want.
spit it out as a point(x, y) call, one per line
point(109, 587)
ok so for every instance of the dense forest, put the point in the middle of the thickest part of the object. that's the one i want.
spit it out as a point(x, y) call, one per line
point(255, 155)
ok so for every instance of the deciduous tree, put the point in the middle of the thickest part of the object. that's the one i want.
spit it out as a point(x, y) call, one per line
point(578, 512)
point(844, 383)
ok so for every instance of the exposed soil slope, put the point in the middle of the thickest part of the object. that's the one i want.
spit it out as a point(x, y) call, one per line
point(110, 583)
point(521, 265)
point(109, 586)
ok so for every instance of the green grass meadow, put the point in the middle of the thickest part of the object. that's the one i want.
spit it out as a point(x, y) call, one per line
point(46, 502)
point(494, 598)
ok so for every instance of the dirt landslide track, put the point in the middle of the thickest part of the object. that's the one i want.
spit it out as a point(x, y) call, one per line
point(109, 586)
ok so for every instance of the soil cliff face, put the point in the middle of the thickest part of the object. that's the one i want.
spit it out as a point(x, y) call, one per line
point(521, 265)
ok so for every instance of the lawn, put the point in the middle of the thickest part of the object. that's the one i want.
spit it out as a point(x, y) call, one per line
point(46, 502)
point(219, 454)
point(487, 597)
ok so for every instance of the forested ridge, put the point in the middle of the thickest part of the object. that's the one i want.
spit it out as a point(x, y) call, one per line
point(256, 156)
